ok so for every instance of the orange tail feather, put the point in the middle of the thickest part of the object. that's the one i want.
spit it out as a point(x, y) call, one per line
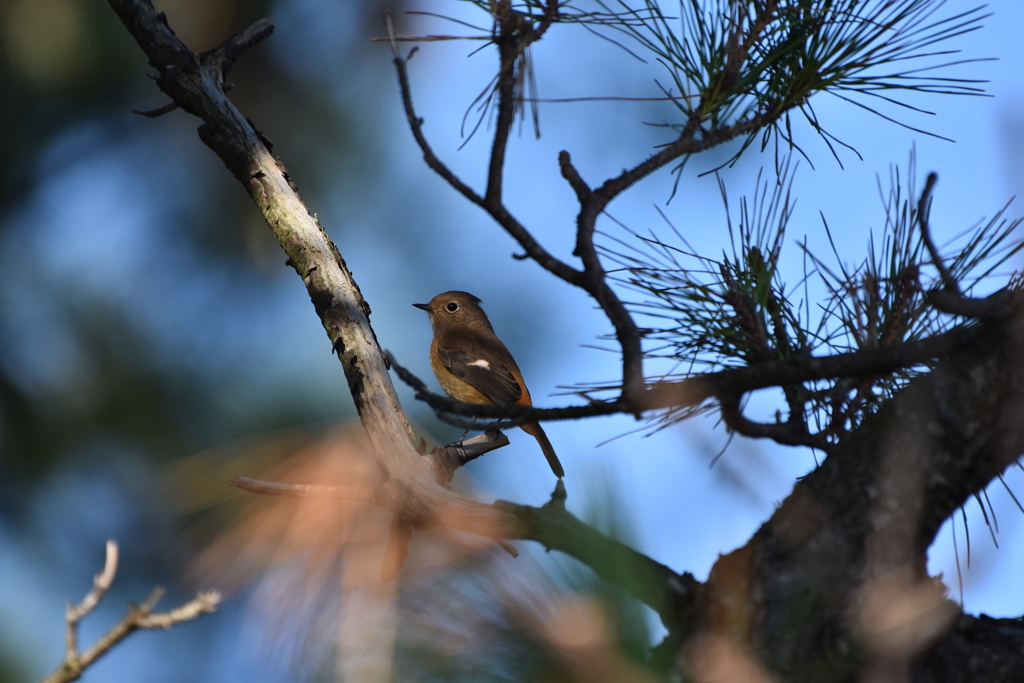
point(534, 429)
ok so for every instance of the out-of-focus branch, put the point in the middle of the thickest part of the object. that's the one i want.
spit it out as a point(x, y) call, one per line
point(444, 461)
point(272, 488)
point(671, 595)
point(138, 617)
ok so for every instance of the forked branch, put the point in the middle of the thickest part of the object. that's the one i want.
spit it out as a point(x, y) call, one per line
point(138, 617)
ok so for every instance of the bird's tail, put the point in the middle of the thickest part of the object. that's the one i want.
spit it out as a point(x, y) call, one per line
point(534, 429)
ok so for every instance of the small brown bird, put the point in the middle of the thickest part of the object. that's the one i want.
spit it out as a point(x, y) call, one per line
point(472, 365)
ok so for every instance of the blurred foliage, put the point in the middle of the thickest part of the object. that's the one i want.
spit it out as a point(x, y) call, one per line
point(128, 255)
point(460, 610)
point(76, 74)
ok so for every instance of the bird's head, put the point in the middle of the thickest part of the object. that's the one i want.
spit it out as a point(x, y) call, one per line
point(455, 310)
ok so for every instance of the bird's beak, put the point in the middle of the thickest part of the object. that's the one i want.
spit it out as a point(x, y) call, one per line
point(423, 307)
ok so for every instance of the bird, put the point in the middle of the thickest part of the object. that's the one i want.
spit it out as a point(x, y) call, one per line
point(473, 365)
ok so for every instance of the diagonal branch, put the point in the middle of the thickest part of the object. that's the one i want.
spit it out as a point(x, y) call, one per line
point(141, 617)
point(194, 82)
point(495, 208)
point(671, 595)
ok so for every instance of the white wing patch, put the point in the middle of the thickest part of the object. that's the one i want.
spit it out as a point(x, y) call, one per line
point(482, 363)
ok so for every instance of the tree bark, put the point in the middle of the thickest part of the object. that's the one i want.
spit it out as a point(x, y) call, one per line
point(836, 580)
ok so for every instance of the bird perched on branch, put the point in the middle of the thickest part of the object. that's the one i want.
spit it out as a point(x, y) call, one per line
point(472, 365)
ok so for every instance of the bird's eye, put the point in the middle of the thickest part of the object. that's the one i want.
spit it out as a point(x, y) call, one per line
point(452, 307)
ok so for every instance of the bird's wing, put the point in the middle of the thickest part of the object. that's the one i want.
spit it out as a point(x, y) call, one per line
point(486, 372)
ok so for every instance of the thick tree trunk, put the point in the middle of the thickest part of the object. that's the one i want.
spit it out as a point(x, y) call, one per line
point(834, 585)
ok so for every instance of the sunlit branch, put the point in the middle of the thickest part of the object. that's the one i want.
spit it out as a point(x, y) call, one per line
point(138, 617)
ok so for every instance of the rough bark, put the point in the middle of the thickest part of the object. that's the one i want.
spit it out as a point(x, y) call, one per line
point(195, 83)
point(822, 589)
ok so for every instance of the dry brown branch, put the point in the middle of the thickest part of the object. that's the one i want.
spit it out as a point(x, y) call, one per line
point(138, 617)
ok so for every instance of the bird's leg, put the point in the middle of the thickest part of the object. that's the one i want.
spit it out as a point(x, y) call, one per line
point(458, 442)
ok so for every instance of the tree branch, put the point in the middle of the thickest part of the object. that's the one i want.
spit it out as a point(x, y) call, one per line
point(924, 207)
point(728, 383)
point(785, 433)
point(194, 82)
point(495, 209)
point(671, 595)
point(950, 298)
point(141, 617)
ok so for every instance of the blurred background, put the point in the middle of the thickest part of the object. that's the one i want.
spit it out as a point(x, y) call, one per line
point(153, 344)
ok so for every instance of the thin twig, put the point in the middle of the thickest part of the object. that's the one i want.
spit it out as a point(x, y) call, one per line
point(497, 211)
point(140, 617)
point(270, 488)
point(950, 298)
point(785, 433)
point(159, 111)
point(924, 206)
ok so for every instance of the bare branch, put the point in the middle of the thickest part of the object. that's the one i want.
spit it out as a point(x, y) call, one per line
point(494, 208)
point(950, 299)
point(100, 585)
point(141, 617)
point(672, 595)
point(516, 33)
point(728, 383)
point(785, 433)
point(571, 175)
point(924, 207)
point(228, 53)
point(159, 111)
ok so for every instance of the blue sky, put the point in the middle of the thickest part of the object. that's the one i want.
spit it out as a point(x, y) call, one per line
point(686, 513)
